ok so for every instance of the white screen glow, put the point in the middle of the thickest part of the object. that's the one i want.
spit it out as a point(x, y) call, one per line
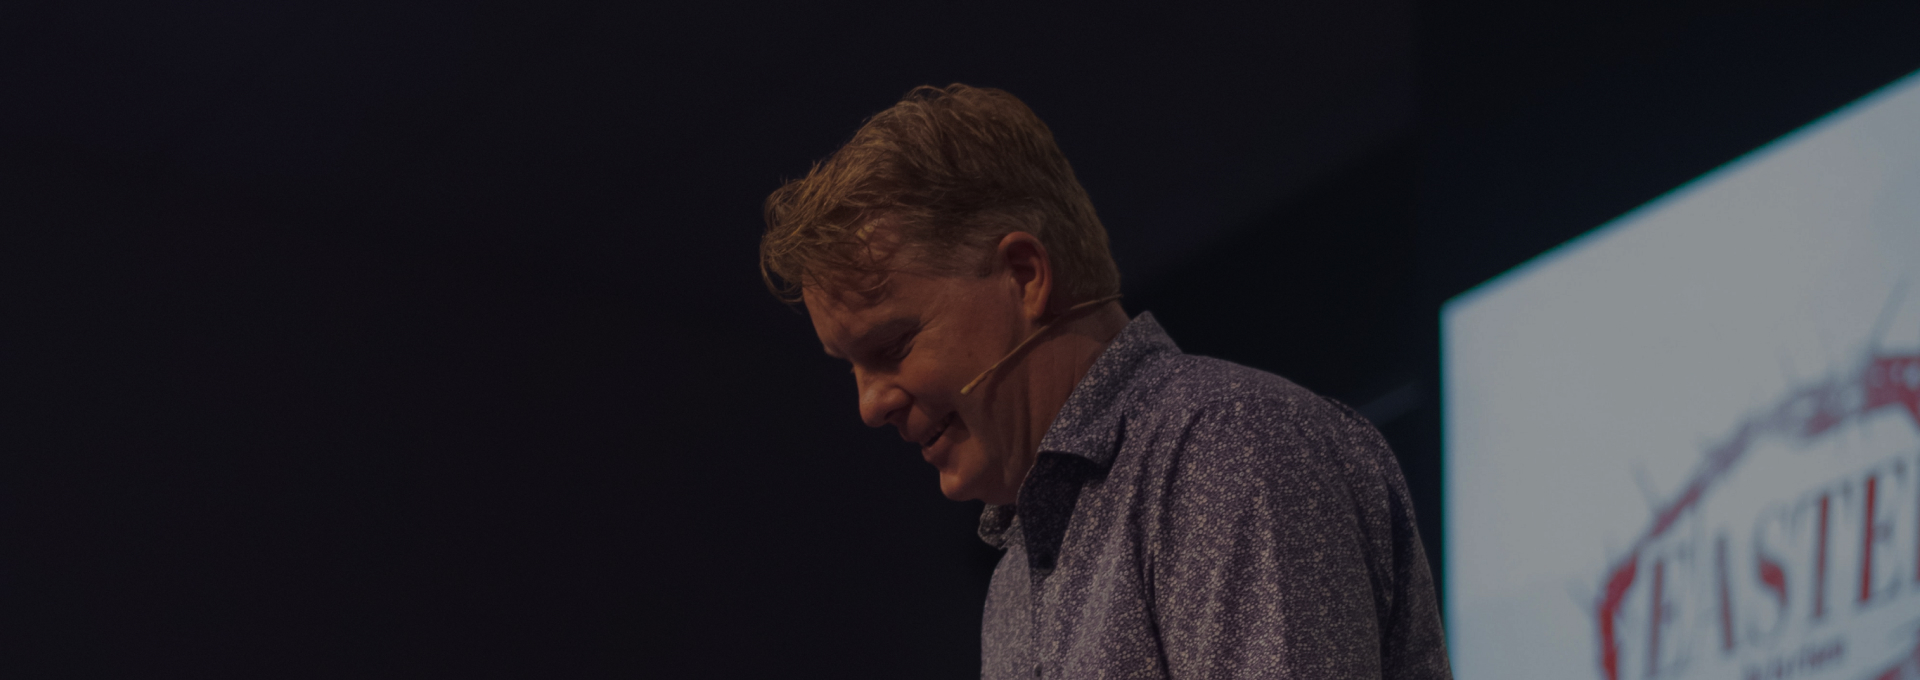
point(1687, 444)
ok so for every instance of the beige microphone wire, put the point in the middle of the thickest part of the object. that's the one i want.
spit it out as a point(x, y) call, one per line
point(1069, 313)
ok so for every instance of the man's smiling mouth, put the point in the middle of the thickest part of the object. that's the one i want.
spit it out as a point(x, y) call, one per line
point(937, 434)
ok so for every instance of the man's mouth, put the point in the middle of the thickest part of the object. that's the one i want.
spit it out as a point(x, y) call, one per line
point(938, 433)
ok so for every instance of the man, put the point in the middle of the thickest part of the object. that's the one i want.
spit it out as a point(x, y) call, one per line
point(1163, 515)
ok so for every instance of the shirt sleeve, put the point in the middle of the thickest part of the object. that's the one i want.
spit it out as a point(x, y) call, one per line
point(1285, 548)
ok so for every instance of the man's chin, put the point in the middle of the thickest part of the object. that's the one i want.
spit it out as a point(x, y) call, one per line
point(956, 487)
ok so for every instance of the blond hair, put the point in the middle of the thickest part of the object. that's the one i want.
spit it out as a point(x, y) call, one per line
point(948, 171)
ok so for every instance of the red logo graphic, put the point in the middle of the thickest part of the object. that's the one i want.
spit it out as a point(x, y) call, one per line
point(1884, 381)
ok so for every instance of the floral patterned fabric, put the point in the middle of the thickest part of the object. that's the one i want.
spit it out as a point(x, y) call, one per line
point(1192, 518)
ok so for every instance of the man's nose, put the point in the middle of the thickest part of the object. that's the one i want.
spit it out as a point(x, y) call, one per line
point(881, 401)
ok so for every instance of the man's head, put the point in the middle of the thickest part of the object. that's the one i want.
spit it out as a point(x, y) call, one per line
point(948, 230)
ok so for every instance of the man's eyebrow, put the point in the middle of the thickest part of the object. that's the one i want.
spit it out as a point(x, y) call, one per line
point(875, 334)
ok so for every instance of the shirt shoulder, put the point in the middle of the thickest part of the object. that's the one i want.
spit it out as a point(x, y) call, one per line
point(1219, 405)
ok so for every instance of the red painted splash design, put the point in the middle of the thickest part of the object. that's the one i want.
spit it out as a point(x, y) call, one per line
point(1807, 413)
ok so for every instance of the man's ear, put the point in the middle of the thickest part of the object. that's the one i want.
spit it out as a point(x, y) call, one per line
point(1031, 271)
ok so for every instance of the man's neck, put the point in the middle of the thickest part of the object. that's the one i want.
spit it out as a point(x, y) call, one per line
point(1061, 361)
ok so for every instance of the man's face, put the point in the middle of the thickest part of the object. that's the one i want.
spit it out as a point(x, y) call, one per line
point(912, 352)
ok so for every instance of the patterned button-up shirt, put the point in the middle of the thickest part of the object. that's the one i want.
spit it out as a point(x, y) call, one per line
point(1192, 518)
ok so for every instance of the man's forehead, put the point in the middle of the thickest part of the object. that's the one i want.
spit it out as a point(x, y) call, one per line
point(836, 319)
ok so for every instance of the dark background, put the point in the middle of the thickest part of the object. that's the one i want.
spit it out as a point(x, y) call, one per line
point(366, 341)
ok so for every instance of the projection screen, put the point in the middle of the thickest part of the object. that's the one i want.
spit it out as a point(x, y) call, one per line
point(1687, 444)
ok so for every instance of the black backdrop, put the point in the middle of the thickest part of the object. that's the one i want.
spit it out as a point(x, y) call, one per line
point(347, 341)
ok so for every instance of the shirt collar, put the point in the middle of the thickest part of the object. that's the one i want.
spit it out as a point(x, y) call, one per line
point(1089, 422)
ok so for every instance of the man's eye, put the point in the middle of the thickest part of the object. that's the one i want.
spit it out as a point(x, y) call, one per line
point(900, 348)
